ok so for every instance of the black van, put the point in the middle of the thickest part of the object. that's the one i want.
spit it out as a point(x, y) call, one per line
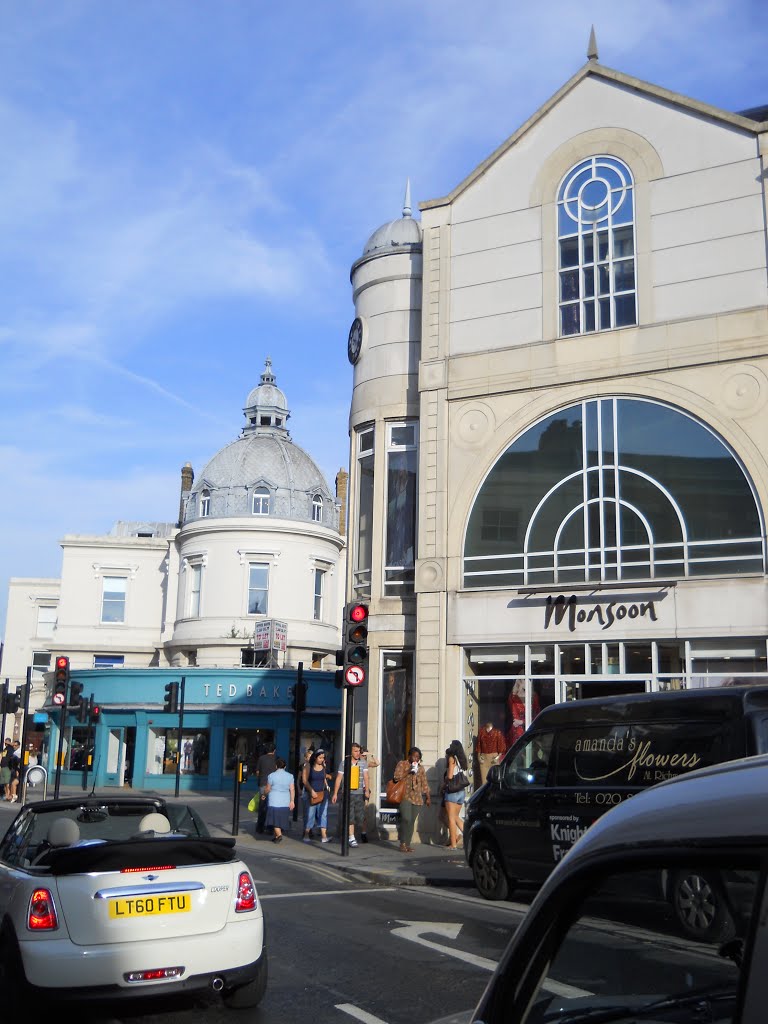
point(579, 759)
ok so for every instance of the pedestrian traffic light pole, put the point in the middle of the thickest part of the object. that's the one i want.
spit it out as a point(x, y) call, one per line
point(181, 726)
point(355, 660)
point(299, 703)
point(61, 700)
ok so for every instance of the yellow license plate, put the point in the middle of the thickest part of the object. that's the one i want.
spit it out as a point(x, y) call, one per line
point(147, 906)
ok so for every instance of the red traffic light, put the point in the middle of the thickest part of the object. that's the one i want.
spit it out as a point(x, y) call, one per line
point(62, 663)
point(358, 612)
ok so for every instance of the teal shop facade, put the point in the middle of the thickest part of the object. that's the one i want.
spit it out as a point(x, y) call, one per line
point(228, 714)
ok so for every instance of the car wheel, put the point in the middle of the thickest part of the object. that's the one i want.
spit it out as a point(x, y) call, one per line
point(698, 900)
point(249, 995)
point(12, 979)
point(488, 872)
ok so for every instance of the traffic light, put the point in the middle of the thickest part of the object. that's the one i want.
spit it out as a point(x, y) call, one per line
point(83, 708)
point(355, 644)
point(60, 680)
point(338, 681)
point(299, 698)
point(75, 694)
point(171, 704)
point(94, 713)
point(11, 703)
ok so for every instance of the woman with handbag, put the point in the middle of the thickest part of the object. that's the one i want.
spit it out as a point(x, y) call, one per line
point(315, 778)
point(415, 795)
point(455, 782)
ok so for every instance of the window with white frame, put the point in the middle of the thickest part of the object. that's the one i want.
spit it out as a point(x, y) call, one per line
point(596, 247)
point(195, 585)
point(364, 525)
point(205, 504)
point(614, 489)
point(46, 620)
point(261, 502)
point(317, 508)
point(41, 662)
point(258, 588)
point(319, 584)
point(113, 599)
point(108, 660)
point(400, 543)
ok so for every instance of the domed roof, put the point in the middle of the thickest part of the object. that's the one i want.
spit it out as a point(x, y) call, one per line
point(266, 397)
point(404, 232)
point(262, 473)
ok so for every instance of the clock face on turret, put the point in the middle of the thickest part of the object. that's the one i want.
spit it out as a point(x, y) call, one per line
point(355, 340)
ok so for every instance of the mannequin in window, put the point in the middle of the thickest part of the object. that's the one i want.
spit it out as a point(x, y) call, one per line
point(516, 708)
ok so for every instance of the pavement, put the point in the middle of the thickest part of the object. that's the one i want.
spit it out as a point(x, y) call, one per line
point(378, 861)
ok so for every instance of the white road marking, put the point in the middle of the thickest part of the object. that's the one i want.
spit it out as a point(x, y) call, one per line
point(412, 930)
point(358, 1014)
point(334, 892)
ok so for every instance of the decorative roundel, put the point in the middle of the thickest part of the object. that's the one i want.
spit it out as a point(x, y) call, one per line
point(355, 340)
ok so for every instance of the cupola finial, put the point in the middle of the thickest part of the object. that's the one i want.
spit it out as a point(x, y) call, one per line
point(592, 45)
point(407, 200)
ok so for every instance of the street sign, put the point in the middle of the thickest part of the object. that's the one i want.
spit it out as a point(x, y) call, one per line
point(58, 698)
point(355, 675)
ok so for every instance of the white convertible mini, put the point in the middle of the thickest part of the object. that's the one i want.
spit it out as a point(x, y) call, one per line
point(106, 898)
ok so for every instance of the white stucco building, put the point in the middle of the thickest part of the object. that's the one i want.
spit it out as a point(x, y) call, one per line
point(259, 540)
point(559, 422)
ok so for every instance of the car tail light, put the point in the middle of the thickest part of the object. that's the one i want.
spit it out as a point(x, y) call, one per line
point(155, 974)
point(246, 893)
point(149, 867)
point(42, 912)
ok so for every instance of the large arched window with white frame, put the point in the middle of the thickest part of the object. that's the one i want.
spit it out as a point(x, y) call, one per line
point(613, 489)
point(596, 247)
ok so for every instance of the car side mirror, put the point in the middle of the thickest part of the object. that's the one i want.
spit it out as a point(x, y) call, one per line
point(494, 775)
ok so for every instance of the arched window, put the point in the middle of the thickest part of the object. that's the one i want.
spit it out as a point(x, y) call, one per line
point(613, 489)
point(205, 504)
point(596, 245)
point(261, 501)
point(317, 508)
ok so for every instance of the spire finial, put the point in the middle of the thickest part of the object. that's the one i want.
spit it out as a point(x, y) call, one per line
point(407, 200)
point(592, 45)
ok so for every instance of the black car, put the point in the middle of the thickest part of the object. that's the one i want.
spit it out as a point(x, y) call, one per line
point(600, 942)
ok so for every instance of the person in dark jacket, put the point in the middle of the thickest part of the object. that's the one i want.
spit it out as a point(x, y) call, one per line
point(266, 764)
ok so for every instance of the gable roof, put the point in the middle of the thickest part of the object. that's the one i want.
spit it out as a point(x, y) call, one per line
point(746, 121)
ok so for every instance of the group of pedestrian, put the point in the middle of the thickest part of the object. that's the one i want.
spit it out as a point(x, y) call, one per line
point(10, 769)
point(319, 787)
point(277, 792)
point(417, 794)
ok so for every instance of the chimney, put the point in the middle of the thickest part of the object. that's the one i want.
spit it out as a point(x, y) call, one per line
point(187, 479)
point(342, 481)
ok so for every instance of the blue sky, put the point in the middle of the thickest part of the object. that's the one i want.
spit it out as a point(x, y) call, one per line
point(184, 186)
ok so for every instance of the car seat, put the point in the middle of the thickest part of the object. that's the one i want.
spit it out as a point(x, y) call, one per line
point(156, 823)
point(61, 832)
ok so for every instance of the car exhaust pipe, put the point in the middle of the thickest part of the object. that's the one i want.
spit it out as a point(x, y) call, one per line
point(217, 984)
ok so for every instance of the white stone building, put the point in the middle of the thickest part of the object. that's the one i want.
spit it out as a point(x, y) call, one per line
point(559, 421)
point(260, 539)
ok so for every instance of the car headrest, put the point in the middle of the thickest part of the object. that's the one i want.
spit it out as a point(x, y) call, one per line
point(63, 832)
point(154, 822)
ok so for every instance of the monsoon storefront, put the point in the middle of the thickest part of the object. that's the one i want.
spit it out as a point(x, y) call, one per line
point(226, 715)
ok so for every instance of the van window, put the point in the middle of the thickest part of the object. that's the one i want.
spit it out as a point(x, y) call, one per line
point(530, 765)
point(638, 754)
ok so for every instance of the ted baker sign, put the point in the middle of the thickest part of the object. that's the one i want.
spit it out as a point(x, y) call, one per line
point(575, 611)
